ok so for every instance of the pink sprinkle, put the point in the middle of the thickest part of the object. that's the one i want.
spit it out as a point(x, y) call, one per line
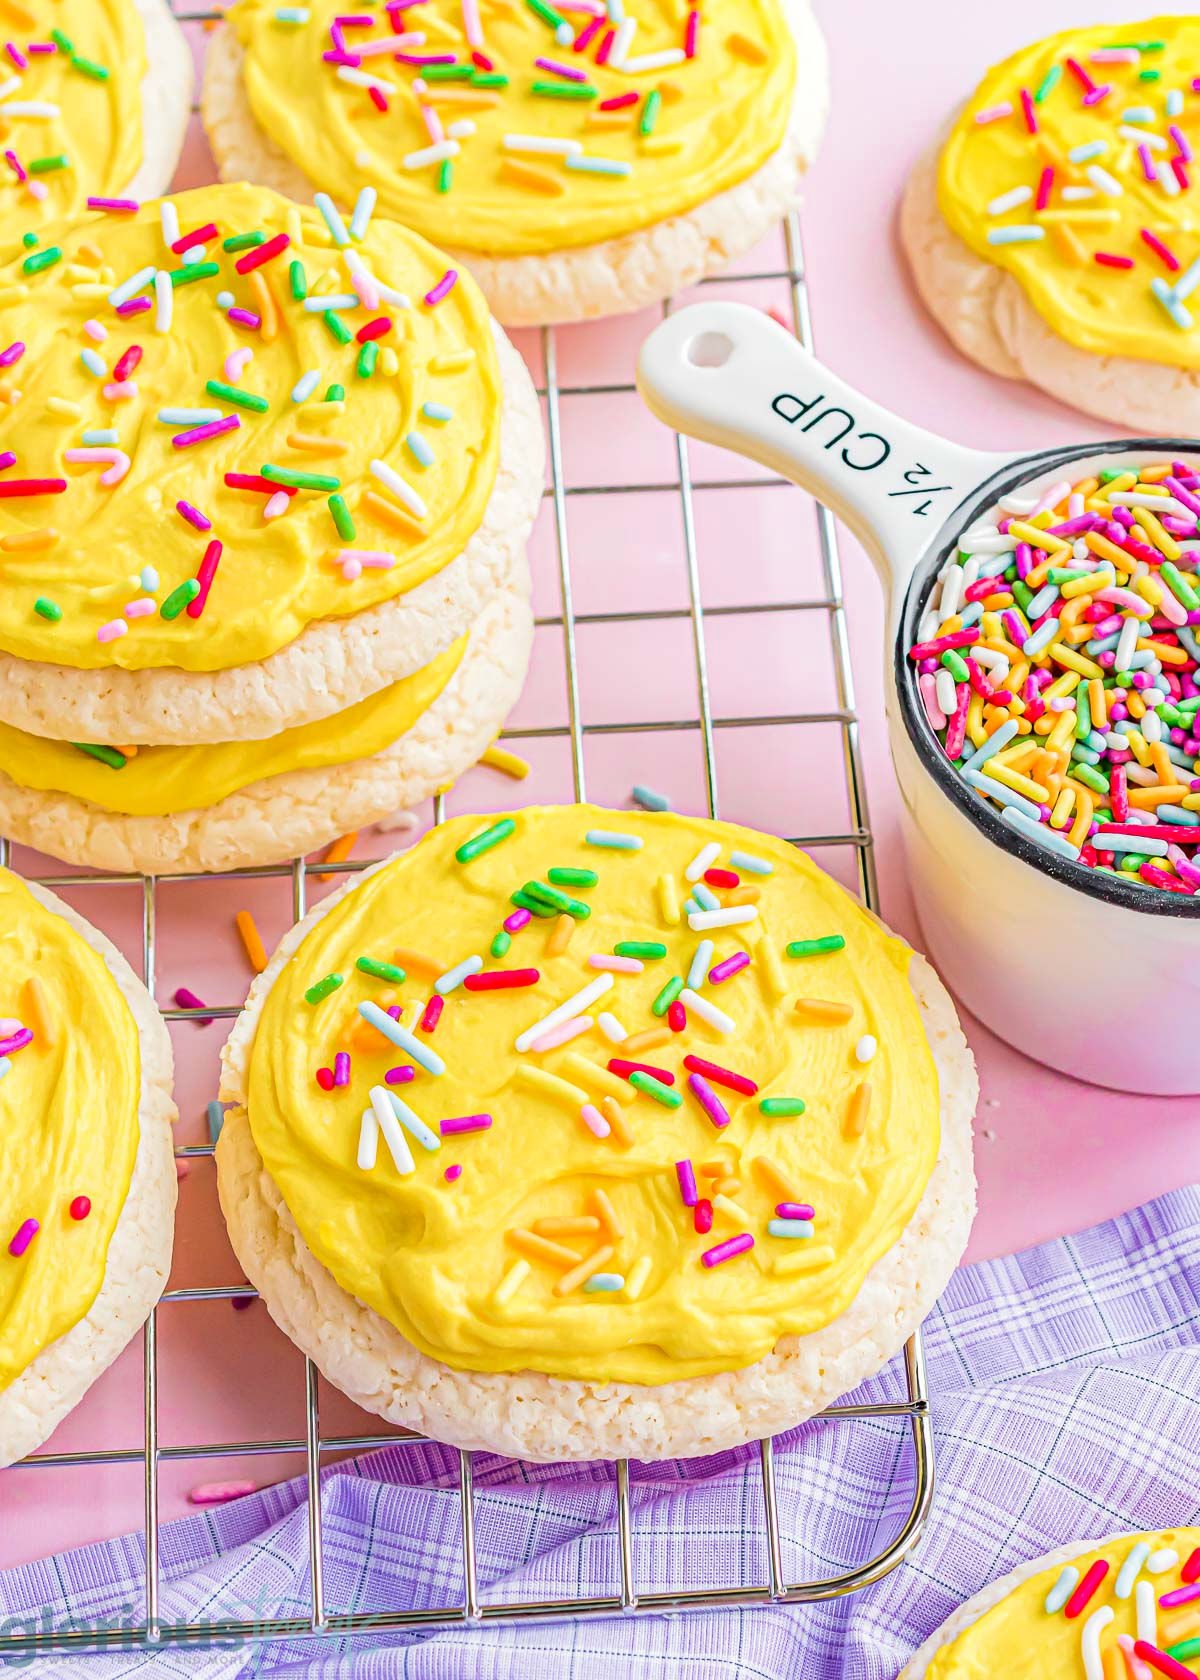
point(1114, 55)
point(135, 306)
point(341, 1069)
point(1181, 142)
point(13, 354)
point(433, 125)
point(465, 1123)
point(443, 288)
point(116, 206)
point(563, 1033)
point(220, 1493)
point(193, 516)
point(1108, 260)
point(325, 1078)
point(685, 1173)
point(795, 1210)
point(185, 998)
point(121, 390)
point(453, 1173)
point(432, 1013)
point(594, 1120)
point(994, 113)
point(1180, 1595)
point(518, 920)
point(567, 71)
point(399, 1075)
point(183, 1168)
point(112, 631)
point(245, 318)
point(204, 577)
point(1094, 95)
point(727, 1250)
point(95, 332)
point(616, 965)
point(1030, 115)
point(16, 1041)
point(424, 58)
point(731, 966)
point(24, 1236)
point(691, 34)
point(1044, 185)
point(15, 164)
point(1156, 244)
point(586, 35)
point(201, 434)
point(619, 102)
point(141, 608)
point(1179, 170)
point(17, 56)
point(708, 1100)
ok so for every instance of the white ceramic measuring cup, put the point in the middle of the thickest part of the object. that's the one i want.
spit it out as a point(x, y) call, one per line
point(1080, 969)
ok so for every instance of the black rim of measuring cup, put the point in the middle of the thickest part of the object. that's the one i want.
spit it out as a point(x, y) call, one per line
point(1110, 889)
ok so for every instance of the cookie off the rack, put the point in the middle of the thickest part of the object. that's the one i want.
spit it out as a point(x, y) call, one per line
point(579, 1133)
point(1093, 1609)
point(87, 1190)
point(1053, 233)
point(268, 483)
point(582, 160)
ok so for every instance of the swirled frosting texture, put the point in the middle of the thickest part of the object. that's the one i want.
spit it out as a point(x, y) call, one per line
point(68, 1124)
point(275, 576)
point(719, 114)
point(430, 1255)
point(1100, 148)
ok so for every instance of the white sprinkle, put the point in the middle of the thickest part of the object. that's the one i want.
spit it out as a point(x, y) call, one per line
point(1107, 183)
point(164, 301)
point(622, 42)
point(1147, 1610)
point(1076, 195)
point(864, 1050)
point(432, 154)
point(1062, 1589)
point(653, 61)
point(385, 1116)
point(403, 491)
point(454, 977)
point(707, 1011)
point(169, 217)
point(542, 144)
point(461, 130)
point(131, 287)
point(306, 385)
point(701, 920)
point(1093, 1667)
point(331, 300)
point(704, 859)
point(1009, 200)
point(368, 1140)
point(1158, 1563)
point(612, 1029)
point(30, 108)
point(1143, 137)
point(360, 78)
point(364, 209)
point(566, 1011)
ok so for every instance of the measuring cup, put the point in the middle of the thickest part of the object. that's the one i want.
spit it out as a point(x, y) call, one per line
point(1078, 968)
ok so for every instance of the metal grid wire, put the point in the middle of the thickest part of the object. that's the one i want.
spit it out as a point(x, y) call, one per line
point(151, 1632)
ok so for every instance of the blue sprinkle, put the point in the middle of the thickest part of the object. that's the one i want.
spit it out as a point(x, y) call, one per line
point(790, 1227)
point(149, 579)
point(419, 449)
point(225, 300)
point(648, 799)
point(93, 362)
point(1023, 234)
point(603, 1283)
point(413, 1124)
point(751, 864)
point(705, 897)
point(216, 1119)
point(437, 412)
point(306, 385)
point(333, 220)
point(100, 436)
point(613, 842)
point(364, 209)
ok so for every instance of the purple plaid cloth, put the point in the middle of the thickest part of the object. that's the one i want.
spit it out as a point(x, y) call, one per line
point(1064, 1385)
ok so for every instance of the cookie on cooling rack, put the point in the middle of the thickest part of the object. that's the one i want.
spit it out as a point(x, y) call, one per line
point(95, 97)
point(264, 549)
point(581, 1133)
point(1052, 233)
point(584, 163)
point(88, 1181)
point(1126, 1605)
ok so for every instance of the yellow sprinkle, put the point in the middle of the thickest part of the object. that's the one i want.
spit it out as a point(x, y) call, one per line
point(1018, 783)
point(512, 1280)
point(731, 1209)
point(13, 294)
point(88, 291)
point(599, 1077)
point(510, 763)
point(252, 940)
point(802, 1257)
point(453, 361)
point(1025, 532)
point(389, 362)
point(1085, 805)
point(560, 936)
point(316, 445)
point(661, 145)
point(823, 1011)
point(777, 1181)
point(570, 1281)
point(1163, 541)
point(1191, 802)
point(766, 959)
point(1074, 661)
point(1091, 583)
point(636, 1281)
point(1079, 218)
point(60, 405)
point(440, 93)
point(45, 538)
point(35, 1007)
point(858, 1110)
point(668, 900)
point(561, 1090)
point(338, 853)
point(1060, 816)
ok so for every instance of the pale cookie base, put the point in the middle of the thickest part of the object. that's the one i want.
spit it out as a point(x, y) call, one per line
point(166, 99)
point(991, 1595)
point(585, 281)
point(139, 1253)
point(331, 664)
point(986, 314)
point(288, 815)
point(535, 1417)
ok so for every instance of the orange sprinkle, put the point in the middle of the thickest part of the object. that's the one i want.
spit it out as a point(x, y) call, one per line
point(338, 853)
point(414, 962)
point(599, 1202)
point(30, 539)
point(727, 1186)
point(252, 940)
point(537, 180)
point(540, 1248)
point(316, 445)
point(1163, 765)
point(776, 1180)
point(1152, 475)
point(619, 1126)
point(741, 46)
point(560, 935)
point(89, 253)
point(260, 294)
point(743, 895)
point(647, 1040)
point(716, 1169)
point(823, 1012)
point(20, 15)
point(860, 1107)
point(570, 1281)
point(393, 515)
point(33, 1004)
point(582, 1225)
point(1112, 1663)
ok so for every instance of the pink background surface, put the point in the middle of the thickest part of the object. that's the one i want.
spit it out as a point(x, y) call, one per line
point(1052, 1155)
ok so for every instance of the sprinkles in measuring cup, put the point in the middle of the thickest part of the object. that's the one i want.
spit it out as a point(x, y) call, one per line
point(1057, 662)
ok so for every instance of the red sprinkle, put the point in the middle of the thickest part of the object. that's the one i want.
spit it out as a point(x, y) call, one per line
point(1045, 184)
point(374, 329)
point(251, 481)
point(482, 62)
point(585, 36)
point(1160, 250)
point(205, 576)
point(127, 363)
point(260, 254)
point(606, 46)
point(618, 102)
point(325, 1078)
point(32, 486)
point(721, 1076)
point(1087, 1589)
point(432, 1013)
point(677, 1017)
point(1031, 122)
point(80, 1207)
point(378, 97)
point(1191, 1569)
point(722, 878)
point(1161, 1661)
point(502, 979)
point(622, 1068)
point(1108, 260)
point(201, 236)
point(702, 1216)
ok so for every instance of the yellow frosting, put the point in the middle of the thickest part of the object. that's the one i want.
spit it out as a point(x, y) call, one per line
point(68, 1124)
point(722, 114)
point(162, 780)
point(1018, 1639)
point(1107, 310)
point(432, 1256)
point(273, 578)
point(96, 120)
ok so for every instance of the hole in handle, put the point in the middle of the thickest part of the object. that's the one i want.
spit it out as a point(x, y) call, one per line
point(709, 349)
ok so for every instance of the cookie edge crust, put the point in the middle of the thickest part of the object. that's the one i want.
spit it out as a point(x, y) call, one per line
point(139, 1253)
point(531, 1416)
point(581, 282)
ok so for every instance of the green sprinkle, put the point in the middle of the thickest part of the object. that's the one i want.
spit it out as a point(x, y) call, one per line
point(646, 1082)
point(572, 877)
point(1185, 1648)
point(381, 970)
point(1021, 593)
point(816, 947)
point(89, 68)
point(539, 8)
point(536, 906)
point(445, 176)
point(489, 79)
point(1180, 586)
point(299, 281)
point(1049, 82)
point(322, 989)
point(1149, 75)
point(338, 330)
point(336, 393)
point(368, 355)
point(243, 241)
point(47, 609)
point(341, 517)
point(471, 849)
point(29, 240)
point(649, 950)
point(650, 112)
point(191, 272)
point(956, 665)
point(564, 90)
point(179, 598)
point(781, 1105)
point(63, 42)
point(667, 996)
point(1107, 474)
point(42, 259)
point(43, 166)
point(300, 480)
point(239, 399)
point(447, 72)
point(106, 755)
point(501, 944)
point(1091, 778)
point(560, 901)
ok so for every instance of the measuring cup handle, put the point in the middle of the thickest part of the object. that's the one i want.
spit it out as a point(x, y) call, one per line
point(728, 374)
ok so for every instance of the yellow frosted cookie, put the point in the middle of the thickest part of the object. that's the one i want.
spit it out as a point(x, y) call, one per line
point(1054, 232)
point(87, 1179)
point(663, 1144)
point(583, 161)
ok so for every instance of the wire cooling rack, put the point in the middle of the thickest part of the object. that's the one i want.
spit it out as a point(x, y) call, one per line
point(148, 1630)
